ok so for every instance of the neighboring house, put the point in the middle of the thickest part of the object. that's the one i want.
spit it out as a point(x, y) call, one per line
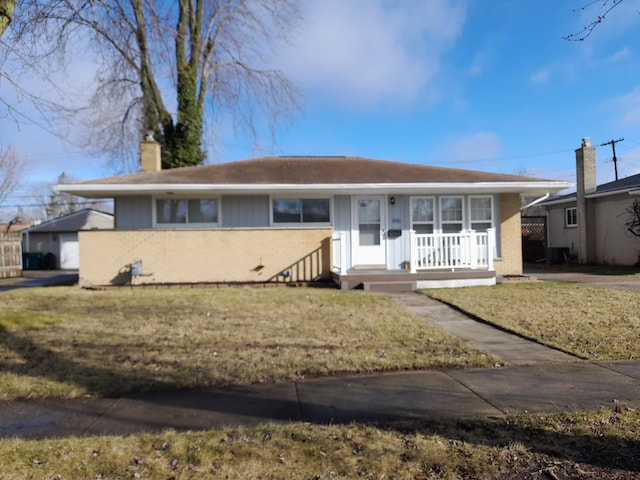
point(57, 240)
point(589, 224)
point(362, 222)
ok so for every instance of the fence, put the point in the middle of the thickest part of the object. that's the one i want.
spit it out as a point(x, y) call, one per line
point(10, 255)
point(534, 238)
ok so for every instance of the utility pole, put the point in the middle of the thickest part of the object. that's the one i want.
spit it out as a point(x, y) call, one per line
point(613, 147)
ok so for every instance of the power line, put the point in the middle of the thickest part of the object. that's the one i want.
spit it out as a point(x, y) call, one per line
point(613, 147)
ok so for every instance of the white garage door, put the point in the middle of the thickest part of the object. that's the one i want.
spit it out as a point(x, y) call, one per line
point(69, 251)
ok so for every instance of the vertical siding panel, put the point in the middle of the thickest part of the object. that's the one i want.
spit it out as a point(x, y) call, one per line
point(243, 211)
point(133, 212)
point(398, 248)
point(342, 221)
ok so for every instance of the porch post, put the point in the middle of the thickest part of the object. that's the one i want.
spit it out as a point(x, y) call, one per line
point(473, 249)
point(414, 251)
point(343, 254)
point(491, 247)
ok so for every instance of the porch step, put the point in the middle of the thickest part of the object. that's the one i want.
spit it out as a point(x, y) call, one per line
point(389, 286)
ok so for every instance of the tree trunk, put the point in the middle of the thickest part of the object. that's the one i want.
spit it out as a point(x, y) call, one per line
point(6, 13)
point(186, 143)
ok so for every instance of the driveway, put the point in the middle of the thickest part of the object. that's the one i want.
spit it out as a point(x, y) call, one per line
point(615, 282)
point(40, 278)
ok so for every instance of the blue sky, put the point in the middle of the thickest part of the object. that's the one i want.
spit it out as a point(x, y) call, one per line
point(475, 84)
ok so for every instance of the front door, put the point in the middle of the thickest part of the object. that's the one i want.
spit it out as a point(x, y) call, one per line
point(369, 246)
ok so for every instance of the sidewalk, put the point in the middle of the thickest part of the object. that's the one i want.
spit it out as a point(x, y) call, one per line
point(542, 380)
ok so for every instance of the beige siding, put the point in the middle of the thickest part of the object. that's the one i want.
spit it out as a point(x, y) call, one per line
point(610, 243)
point(613, 246)
point(510, 262)
point(559, 235)
point(193, 256)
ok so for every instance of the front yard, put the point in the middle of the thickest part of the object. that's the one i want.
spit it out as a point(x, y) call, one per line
point(69, 342)
point(591, 323)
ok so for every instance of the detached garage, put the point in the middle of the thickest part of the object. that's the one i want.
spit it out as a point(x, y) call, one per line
point(54, 244)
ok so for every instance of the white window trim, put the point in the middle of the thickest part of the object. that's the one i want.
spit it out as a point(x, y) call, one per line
point(301, 224)
point(462, 221)
point(566, 223)
point(471, 220)
point(186, 225)
point(434, 222)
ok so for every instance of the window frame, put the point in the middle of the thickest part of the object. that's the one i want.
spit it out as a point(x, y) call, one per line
point(574, 211)
point(442, 222)
point(433, 222)
point(187, 223)
point(491, 221)
point(300, 223)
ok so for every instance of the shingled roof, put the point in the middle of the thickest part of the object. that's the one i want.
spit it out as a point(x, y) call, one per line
point(310, 170)
point(304, 171)
point(622, 185)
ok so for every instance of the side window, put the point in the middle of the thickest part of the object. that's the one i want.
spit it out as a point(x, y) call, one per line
point(301, 210)
point(183, 211)
point(422, 215)
point(571, 217)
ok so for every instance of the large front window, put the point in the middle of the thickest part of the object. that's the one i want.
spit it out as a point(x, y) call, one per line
point(301, 210)
point(182, 211)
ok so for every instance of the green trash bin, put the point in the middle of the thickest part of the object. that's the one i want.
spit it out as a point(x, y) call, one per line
point(32, 260)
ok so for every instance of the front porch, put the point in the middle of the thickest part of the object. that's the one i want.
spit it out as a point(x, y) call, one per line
point(436, 261)
point(404, 281)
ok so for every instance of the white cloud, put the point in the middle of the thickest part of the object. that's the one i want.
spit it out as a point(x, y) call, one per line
point(480, 147)
point(367, 52)
point(482, 60)
point(626, 108)
point(541, 76)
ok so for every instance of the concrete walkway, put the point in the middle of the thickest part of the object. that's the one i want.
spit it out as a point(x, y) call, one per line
point(514, 350)
point(543, 380)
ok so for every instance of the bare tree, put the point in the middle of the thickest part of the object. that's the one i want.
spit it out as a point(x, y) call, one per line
point(633, 219)
point(606, 6)
point(10, 172)
point(205, 57)
point(6, 14)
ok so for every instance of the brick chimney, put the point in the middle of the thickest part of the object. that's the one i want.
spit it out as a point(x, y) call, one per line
point(150, 155)
point(585, 183)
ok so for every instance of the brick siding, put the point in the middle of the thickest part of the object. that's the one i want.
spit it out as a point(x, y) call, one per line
point(201, 256)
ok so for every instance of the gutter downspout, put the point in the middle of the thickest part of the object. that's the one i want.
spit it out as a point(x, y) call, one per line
point(536, 201)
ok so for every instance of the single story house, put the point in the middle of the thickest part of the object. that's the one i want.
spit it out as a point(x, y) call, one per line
point(361, 222)
point(57, 239)
point(590, 223)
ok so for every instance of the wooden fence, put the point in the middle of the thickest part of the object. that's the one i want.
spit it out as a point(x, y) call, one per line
point(10, 255)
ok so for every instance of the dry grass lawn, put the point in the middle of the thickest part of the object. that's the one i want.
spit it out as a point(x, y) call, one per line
point(70, 342)
point(599, 445)
point(592, 323)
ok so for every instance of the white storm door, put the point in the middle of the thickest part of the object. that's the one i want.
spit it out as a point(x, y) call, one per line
point(369, 246)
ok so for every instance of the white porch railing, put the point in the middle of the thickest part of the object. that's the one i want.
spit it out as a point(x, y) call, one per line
point(452, 250)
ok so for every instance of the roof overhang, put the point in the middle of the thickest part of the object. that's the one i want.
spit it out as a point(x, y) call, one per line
point(95, 190)
point(628, 191)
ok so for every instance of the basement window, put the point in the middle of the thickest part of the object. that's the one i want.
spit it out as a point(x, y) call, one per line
point(571, 217)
